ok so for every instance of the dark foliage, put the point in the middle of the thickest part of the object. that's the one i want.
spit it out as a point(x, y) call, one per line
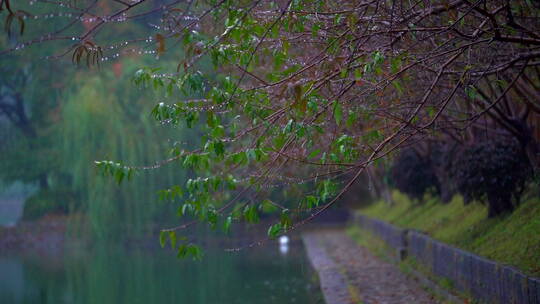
point(414, 175)
point(492, 172)
point(47, 202)
point(442, 158)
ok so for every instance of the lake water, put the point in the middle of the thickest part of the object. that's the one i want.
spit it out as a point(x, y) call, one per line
point(118, 274)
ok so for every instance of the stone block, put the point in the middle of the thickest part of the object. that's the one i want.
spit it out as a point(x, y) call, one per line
point(520, 287)
point(437, 262)
point(480, 288)
point(515, 287)
point(506, 278)
point(448, 262)
point(463, 271)
point(534, 290)
point(415, 245)
point(488, 279)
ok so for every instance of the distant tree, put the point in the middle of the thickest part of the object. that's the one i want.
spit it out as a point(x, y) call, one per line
point(25, 121)
point(56, 119)
point(494, 172)
point(12, 103)
point(413, 174)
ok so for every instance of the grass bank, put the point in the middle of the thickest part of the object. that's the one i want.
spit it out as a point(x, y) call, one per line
point(512, 239)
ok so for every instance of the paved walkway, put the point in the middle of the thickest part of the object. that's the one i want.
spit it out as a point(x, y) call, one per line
point(350, 274)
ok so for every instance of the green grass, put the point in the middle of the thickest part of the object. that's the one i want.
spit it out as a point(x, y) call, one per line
point(513, 239)
point(365, 239)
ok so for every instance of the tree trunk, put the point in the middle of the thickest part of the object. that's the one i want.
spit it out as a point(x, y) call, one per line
point(43, 181)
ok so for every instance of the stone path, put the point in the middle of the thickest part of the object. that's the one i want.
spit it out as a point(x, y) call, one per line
point(350, 274)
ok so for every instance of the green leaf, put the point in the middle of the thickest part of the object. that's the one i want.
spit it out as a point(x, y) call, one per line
point(338, 113)
point(312, 201)
point(319, 129)
point(186, 208)
point(237, 212)
point(314, 153)
point(279, 141)
point(172, 238)
point(182, 251)
point(212, 217)
point(358, 74)
point(211, 120)
point(395, 64)
point(163, 194)
point(227, 224)
point(323, 158)
point(471, 92)
point(372, 136)
point(176, 191)
point(315, 29)
point(285, 219)
point(326, 189)
point(251, 154)
point(397, 84)
point(274, 230)
point(268, 207)
point(250, 214)
point(162, 238)
point(189, 250)
point(351, 118)
point(240, 158)
point(194, 251)
point(288, 127)
point(219, 148)
point(218, 131)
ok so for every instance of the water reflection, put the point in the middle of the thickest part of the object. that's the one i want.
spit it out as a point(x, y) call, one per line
point(283, 244)
point(12, 201)
point(115, 274)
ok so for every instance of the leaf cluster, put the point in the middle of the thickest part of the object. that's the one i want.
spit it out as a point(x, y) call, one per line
point(89, 52)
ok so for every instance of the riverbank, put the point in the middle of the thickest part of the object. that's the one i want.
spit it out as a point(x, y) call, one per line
point(512, 239)
point(350, 273)
point(47, 233)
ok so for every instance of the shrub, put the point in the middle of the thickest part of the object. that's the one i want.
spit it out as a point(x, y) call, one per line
point(47, 202)
point(414, 175)
point(443, 156)
point(495, 173)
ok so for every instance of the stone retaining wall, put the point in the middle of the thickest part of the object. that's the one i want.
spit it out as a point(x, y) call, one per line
point(483, 279)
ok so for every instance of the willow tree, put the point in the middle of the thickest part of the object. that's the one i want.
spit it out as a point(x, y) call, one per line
point(96, 123)
point(55, 120)
point(312, 93)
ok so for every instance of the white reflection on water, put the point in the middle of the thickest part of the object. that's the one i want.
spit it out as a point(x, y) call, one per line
point(283, 244)
point(283, 248)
